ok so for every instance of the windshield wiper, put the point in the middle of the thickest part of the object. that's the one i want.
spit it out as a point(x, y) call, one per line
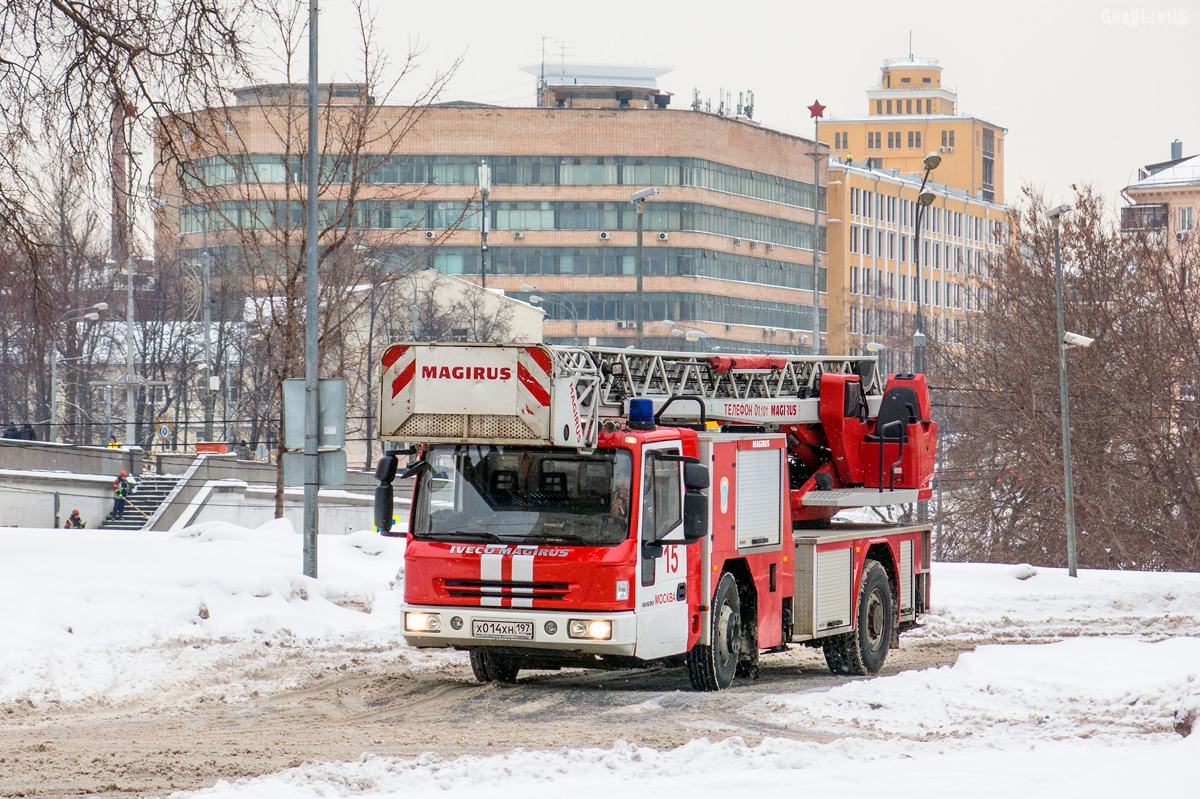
point(463, 535)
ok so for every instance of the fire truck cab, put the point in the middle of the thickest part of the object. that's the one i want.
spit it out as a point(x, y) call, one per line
point(579, 507)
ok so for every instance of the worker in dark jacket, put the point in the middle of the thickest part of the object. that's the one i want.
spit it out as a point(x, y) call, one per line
point(120, 492)
point(74, 521)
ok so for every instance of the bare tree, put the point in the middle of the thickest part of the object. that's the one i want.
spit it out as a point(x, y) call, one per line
point(244, 186)
point(1133, 402)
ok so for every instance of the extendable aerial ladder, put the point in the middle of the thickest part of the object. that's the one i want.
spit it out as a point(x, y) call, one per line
point(834, 444)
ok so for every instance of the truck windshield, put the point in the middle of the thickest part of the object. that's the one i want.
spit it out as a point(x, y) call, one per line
point(516, 495)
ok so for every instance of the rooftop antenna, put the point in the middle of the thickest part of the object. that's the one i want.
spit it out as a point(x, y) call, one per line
point(542, 78)
point(695, 98)
point(910, 55)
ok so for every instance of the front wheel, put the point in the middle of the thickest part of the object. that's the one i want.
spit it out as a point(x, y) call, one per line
point(711, 666)
point(488, 666)
point(863, 651)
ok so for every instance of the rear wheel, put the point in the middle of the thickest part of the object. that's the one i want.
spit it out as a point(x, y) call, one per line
point(711, 666)
point(488, 666)
point(864, 650)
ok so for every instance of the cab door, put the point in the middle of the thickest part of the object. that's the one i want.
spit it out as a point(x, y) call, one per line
point(662, 611)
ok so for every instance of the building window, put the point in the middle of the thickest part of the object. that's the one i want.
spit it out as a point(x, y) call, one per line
point(908, 106)
point(891, 246)
point(854, 280)
point(910, 139)
point(1185, 218)
point(928, 104)
point(951, 138)
point(918, 140)
point(854, 238)
point(853, 202)
point(891, 144)
point(891, 285)
point(879, 106)
point(926, 80)
point(903, 249)
point(944, 138)
point(897, 140)
point(889, 106)
point(906, 80)
point(879, 243)
point(866, 240)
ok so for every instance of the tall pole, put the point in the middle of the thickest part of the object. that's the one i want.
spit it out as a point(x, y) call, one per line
point(816, 237)
point(311, 475)
point(919, 333)
point(54, 391)
point(638, 312)
point(108, 414)
point(130, 376)
point(370, 381)
point(1068, 484)
point(206, 278)
point(485, 186)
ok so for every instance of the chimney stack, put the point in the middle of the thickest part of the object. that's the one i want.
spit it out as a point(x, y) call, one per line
point(1176, 150)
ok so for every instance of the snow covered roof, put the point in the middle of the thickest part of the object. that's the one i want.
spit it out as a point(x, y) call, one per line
point(1183, 173)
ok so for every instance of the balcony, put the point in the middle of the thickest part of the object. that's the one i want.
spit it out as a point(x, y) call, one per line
point(1144, 218)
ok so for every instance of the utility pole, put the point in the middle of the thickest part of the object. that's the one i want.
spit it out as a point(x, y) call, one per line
point(130, 376)
point(485, 187)
point(206, 278)
point(816, 111)
point(638, 198)
point(311, 474)
point(1068, 482)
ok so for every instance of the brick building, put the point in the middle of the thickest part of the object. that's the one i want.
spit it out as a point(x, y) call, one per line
point(729, 240)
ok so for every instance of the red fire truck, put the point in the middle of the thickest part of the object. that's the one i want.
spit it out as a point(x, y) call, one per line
point(606, 508)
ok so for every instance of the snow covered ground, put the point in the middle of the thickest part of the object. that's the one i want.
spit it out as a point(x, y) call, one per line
point(214, 612)
point(218, 612)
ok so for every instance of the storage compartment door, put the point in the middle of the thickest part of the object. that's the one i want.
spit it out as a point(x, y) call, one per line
point(907, 610)
point(834, 605)
point(759, 504)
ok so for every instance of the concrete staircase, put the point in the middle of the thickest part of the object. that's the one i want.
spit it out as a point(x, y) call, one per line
point(149, 493)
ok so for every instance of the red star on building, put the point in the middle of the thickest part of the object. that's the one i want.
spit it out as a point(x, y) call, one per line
point(816, 110)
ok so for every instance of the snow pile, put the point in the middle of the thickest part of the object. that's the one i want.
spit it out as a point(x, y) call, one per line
point(1021, 603)
point(775, 769)
point(215, 612)
point(1082, 688)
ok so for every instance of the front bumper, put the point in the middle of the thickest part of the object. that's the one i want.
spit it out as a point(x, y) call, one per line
point(623, 641)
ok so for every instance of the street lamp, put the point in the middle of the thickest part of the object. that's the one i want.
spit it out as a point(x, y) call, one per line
point(91, 314)
point(924, 200)
point(639, 198)
point(1064, 340)
point(688, 333)
point(561, 299)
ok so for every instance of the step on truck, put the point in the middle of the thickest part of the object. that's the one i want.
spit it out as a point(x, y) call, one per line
point(605, 508)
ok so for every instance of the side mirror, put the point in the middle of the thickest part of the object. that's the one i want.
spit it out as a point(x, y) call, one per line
point(385, 470)
point(695, 516)
point(416, 469)
point(384, 509)
point(695, 476)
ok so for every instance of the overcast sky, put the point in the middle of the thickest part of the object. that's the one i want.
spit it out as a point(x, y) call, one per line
point(1087, 91)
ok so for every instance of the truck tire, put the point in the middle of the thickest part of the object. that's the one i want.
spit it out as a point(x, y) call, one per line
point(489, 667)
point(863, 651)
point(713, 661)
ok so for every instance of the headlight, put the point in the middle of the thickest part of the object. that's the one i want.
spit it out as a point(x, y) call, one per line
point(422, 622)
point(597, 629)
point(622, 590)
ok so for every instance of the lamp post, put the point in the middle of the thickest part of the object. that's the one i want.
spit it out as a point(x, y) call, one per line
point(561, 299)
point(1068, 484)
point(687, 333)
point(485, 188)
point(924, 200)
point(92, 313)
point(638, 198)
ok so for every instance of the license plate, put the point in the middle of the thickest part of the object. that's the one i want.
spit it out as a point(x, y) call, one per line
point(519, 630)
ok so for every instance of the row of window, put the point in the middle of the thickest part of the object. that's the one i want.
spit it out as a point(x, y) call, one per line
point(517, 216)
point(611, 261)
point(905, 106)
point(884, 208)
point(934, 255)
point(896, 140)
point(513, 170)
point(887, 324)
point(878, 283)
point(621, 306)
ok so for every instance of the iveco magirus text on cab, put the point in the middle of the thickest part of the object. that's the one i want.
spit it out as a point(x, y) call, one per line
point(603, 508)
